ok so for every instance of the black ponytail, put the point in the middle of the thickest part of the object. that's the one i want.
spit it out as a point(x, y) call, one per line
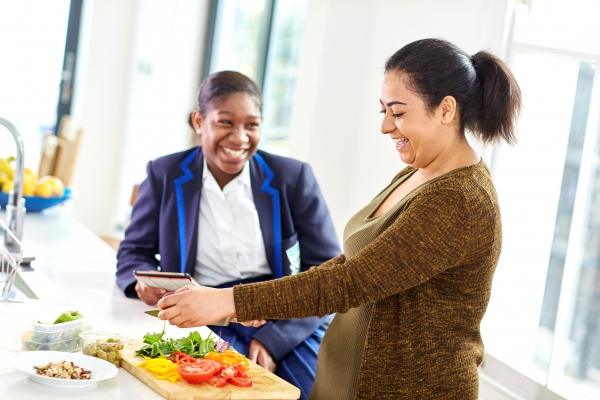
point(486, 92)
point(498, 100)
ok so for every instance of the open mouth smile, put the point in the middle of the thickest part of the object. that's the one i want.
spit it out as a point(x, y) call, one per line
point(401, 142)
point(232, 152)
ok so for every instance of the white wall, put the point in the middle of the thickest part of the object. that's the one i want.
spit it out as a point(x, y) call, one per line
point(138, 71)
point(101, 105)
point(335, 122)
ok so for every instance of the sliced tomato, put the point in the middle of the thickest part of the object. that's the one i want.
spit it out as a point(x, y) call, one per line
point(179, 356)
point(239, 381)
point(240, 371)
point(229, 372)
point(220, 368)
point(198, 372)
point(217, 381)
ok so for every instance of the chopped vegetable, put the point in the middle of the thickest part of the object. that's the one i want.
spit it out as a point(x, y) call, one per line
point(228, 358)
point(199, 372)
point(239, 381)
point(222, 345)
point(192, 345)
point(217, 381)
point(163, 368)
point(152, 338)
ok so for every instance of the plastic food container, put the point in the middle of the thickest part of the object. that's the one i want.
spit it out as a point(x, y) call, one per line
point(104, 345)
point(29, 326)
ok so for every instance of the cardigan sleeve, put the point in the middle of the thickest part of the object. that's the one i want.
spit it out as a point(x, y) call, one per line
point(318, 243)
point(429, 236)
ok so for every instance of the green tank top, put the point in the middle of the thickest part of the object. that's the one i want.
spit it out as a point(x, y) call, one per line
point(341, 351)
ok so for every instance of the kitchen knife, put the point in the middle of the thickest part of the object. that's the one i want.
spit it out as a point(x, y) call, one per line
point(223, 322)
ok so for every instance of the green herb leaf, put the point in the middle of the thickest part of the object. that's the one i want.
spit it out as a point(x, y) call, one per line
point(152, 338)
point(193, 345)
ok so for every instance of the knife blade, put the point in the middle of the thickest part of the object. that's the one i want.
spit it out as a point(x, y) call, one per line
point(154, 313)
point(222, 322)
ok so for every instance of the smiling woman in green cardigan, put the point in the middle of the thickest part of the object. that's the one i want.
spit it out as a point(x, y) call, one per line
point(414, 281)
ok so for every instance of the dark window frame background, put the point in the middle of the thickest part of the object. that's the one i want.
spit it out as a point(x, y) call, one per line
point(211, 34)
point(69, 69)
point(276, 19)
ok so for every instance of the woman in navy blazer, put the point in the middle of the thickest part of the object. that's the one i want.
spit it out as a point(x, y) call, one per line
point(294, 220)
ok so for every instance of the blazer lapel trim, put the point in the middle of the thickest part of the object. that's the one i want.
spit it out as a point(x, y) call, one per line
point(274, 193)
point(187, 175)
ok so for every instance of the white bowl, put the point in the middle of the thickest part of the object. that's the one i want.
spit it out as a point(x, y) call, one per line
point(100, 369)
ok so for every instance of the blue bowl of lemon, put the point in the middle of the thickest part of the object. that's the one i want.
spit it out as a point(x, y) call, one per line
point(39, 193)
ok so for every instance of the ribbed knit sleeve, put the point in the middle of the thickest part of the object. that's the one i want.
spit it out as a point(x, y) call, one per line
point(422, 248)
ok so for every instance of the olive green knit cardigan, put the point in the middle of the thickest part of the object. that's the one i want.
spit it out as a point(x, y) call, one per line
point(429, 276)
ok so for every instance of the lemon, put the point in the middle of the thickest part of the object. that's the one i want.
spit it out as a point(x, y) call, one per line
point(50, 186)
point(6, 167)
point(29, 188)
point(30, 176)
point(44, 190)
point(7, 186)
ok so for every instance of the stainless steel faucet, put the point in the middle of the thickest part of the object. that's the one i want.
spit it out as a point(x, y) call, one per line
point(15, 209)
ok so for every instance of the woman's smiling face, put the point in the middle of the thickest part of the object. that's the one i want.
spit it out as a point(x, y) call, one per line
point(406, 119)
point(230, 133)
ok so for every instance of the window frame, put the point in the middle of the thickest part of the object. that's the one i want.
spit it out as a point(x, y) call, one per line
point(495, 373)
point(69, 69)
point(211, 27)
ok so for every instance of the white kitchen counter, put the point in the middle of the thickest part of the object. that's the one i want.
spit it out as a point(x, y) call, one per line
point(83, 268)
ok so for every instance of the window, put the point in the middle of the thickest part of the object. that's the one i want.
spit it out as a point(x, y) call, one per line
point(32, 44)
point(544, 315)
point(262, 39)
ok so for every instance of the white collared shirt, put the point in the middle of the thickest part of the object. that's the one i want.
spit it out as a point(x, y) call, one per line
point(230, 242)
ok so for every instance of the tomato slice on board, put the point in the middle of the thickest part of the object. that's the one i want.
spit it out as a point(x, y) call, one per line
point(179, 356)
point(239, 381)
point(198, 372)
point(217, 381)
point(229, 372)
point(241, 371)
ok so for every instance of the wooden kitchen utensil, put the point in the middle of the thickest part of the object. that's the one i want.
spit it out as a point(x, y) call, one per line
point(59, 152)
point(265, 385)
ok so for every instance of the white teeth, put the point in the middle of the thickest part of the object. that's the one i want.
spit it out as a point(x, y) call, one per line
point(400, 140)
point(234, 153)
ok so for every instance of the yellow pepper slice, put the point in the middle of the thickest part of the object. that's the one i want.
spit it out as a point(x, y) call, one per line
point(163, 368)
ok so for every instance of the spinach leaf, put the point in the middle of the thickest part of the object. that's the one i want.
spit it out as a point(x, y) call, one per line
point(192, 345)
point(152, 338)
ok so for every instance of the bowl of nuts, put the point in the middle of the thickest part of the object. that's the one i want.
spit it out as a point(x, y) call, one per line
point(104, 345)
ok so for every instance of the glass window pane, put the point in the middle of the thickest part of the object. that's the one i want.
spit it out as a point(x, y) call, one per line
point(570, 25)
point(282, 67)
point(564, 216)
point(240, 37)
point(538, 182)
point(528, 180)
point(32, 44)
point(575, 362)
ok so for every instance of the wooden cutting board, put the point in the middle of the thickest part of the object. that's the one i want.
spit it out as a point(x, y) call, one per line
point(265, 385)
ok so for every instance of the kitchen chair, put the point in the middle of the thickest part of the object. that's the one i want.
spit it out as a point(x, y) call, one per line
point(113, 241)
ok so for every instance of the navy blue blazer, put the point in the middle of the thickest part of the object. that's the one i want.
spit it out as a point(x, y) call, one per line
point(290, 207)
